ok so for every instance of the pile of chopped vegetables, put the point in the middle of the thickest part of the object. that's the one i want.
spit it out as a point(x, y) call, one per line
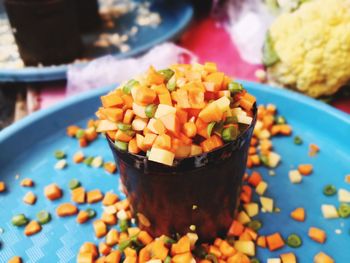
point(177, 112)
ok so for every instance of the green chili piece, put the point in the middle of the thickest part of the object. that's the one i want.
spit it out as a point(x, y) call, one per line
point(168, 240)
point(166, 73)
point(200, 252)
point(344, 210)
point(212, 258)
point(254, 260)
point(171, 85)
point(80, 134)
point(123, 224)
point(280, 120)
point(264, 159)
point(298, 140)
point(129, 85)
point(229, 133)
point(329, 190)
point(167, 259)
point(150, 110)
point(123, 245)
point(91, 212)
point(294, 241)
point(88, 160)
point(235, 87)
point(123, 146)
point(73, 183)
point(59, 154)
point(19, 220)
point(231, 120)
point(43, 217)
point(255, 225)
point(210, 128)
point(123, 127)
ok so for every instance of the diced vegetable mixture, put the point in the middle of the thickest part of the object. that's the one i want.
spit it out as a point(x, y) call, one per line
point(177, 112)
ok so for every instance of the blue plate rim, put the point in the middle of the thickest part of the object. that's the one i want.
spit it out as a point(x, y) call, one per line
point(327, 109)
point(52, 73)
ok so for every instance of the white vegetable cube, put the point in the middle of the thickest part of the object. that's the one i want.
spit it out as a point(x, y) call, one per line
point(223, 103)
point(161, 156)
point(267, 204)
point(295, 177)
point(243, 218)
point(245, 247)
point(139, 110)
point(264, 134)
point(163, 110)
point(97, 162)
point(258, 127)
point(61, 164)
point(252, 209)
point(329, 211)
point(274, 260)
point(261, 188)
point(344, 196)
point(274, 159)
point(244, 119)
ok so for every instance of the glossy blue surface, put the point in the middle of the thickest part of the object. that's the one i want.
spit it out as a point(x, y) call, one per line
point(175, 18)
point(27, 149)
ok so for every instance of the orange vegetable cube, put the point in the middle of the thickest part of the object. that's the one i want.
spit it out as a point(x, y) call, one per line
point(109, 219)
point(305, 169)
point(261, 241)
point(182, 246)
point(94, 196)
point(145, 95)
point(144, 237)
point(111, 99)
point(288, 258)
point(128, 116)
point(274, 241)
point(236, 229)
point(104, 249)
point(110, 199)
point(110, 167)
point(255, 178)
point(182, 258)
point(15, 259)
point(317, 234)
point(100, 228)
point(323, 258)
point(156, 126)
point(82, 217)
point(144, 255)
point(66, 209)
point(171, 123)
point(113, 114)
point(217, 78)
point(298, 214)
point(78, 195)
point(89, 247)
point(165, 98)
point(122, 136)
point(53, 192)
point(159, 250)
point(27, 182)
point(163, 141)
point(29, 198)
point(211, 113)
point(32, 228)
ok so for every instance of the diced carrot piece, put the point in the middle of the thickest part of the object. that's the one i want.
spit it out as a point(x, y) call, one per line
point(139, 142)
point(156, 126)
point(181, 114)
point(110, 167)
point(323, 258)
point(113, 257)
point(29, 198)
point(83, 142)
point(218, 241)
point(182, 258)
point(66, 209)
point(249, 162)
point(144, 255)
point(27, 182)
point(72, 130)
point(245, 236)
point(113, 114)
point(288, 258)
point(236, 229)
point(211, 113)
point(129, 259)
point(165, 98)
point(110, 199)
point(313, 149)
point(109, 219)
point(238, 258)
point(128, 116)
point(298, 214)
point(182, 246)
point(86, 257)
point(112, 237)
point(78, 157)
point(182, 99)
point(159, 250)
point(145, 95)
point(2, 186)
point(189, 129)
point(104, 249)
point(211, 143)
point(111, 99)
point(82, 217)
point(317, 234)
point(122, 205)
point(217, 78)
point(94, 196)
point(261, 241)
point(128, 100)
point(171, 123)
point(305, 169)
point(255, 159)
point(89, 247)
point(251, 150)
point(252, 233)
point(255, 178)
point(100, 228)
point(226, 249)
point(90, 134)
point(144, 237)
point(149, 139)
point(275, 241)
point(153, 77)
point(122, 136)
point(111, 135)
point(78, 195)
point(32, 228)
point(15, 259)
point(215, 251)
point(285, 129)
point(53, 192)
point(132, 146)
point(163, 141)
point(184, 139)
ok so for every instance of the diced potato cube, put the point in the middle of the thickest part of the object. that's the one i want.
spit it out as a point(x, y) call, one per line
point(243, 218)
point(274, 159)
point(295, 177)
point(329, 211)
point(261, 188)
point(252, 209)
point(163, 110)
point(267, 204)
point(344, 196)
point(246, 247)
point(223, 103)
point(263, 134)
point(161, 156)
point(244, 119)
point(273, 260)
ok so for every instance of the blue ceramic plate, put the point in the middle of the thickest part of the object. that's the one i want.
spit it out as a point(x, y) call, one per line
point(175, 17)
point(27, 150)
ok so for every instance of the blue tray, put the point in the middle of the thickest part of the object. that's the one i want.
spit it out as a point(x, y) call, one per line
point(27, 150)
point(175, 18)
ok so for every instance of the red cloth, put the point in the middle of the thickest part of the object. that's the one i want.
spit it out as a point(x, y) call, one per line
point(210, 42)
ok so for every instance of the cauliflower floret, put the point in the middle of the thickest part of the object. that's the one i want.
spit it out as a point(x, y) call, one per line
point(313, 47)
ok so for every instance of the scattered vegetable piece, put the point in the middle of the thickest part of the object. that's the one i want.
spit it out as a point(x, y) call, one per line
point(43, 217)
point(298, 140)
point(274, 241)
point(29, 198)
point(2, 187)
point(19, 220)
point(323, 258)
point(317, 234)
point(329, 190)
point(59, 154)
point(110, 167)
point(305, 169)
point(66, 209)
point(298, 214)
point(91, 212)
point(53, 192)
point(78, 195)
point(61, 164)
point(32, 228)
point(73, 184)
point(27, 182)
point(94, 196)
point(294, 241)
point(82, 217)
point(329, 211)
point(100, 228)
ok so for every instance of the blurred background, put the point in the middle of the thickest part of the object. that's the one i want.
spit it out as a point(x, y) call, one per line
point(54, 49)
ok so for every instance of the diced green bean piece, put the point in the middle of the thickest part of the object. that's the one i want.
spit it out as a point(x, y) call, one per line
point(123, 146)
point(80, 134)
point(235, 87)
point(123, 224)
point(210, 128)
point(129, 85)
point(255, 225)
point(123, 127)
point(73, 183)
point(344, 210)
point(329, 190)
point(91, 212)
point(229, 133)
point(166, 73)
point(19, 220)
point(43, 217)
point(150, 110)
point(298, 140)
point(294, 241)
point(59, 154)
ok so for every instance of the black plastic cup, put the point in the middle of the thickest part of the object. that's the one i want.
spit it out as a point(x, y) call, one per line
point(88, 15)
point(201, 191)
point(46, 31)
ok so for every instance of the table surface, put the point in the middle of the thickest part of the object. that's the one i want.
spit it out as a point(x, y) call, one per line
point(207, 39)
